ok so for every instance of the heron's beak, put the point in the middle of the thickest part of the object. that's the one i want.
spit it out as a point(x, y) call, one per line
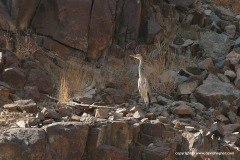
point(133, 56)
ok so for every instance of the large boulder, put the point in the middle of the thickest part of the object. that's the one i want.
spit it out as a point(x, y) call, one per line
point(23, 144)
point(14, 76)
point(22, 12)
point(66, 140)
point(215, 45)
point(213, 91)
point(41, 79)
point(66, 21)
point(103, 14)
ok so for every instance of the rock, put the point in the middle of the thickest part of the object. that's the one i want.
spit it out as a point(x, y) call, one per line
point(184, 4)
point(48, 121)
point(222, 118)
point(21, 124)
point(67, 26)
point(116, 116)
point(64, 110)
point(23, 143)
point(50, 113)
point(107, 151)
point(138, 115)
point(217, 129)
point(71, 134)
point(118, 95)
point(198, 106)
point(40, 79)
point(9, 58)
point(11, 107)
point(233, 117)
point(223, 78)
point(230, 74)
point(74, 118)
point(190, 129)
point(135, 108)
point(199, 18)
point(230, 30)
point(15, 77)
point(183, 110)
point(99, 37)
point(153, 29)
point(237, 80)
point(101, 113)
point(233, 57)
point(32, 92)
point(83, 100)
point(212, 90)
point(214, 45)
point(124, 111)
point(40, 116)
point(164, 101)
point(187, 87)
point(208, 65)
point(26, 105)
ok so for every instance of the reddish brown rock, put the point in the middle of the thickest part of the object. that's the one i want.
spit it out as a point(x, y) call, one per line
point(71, 134)
point(50, 113)
point(31, 92)
point(15, 77)
point(212, 90)
point(183, 4)
point(183, 110)
point(9, 59)
point(103, 14)
point(65, 21)
point(217, 129)
point(23, 144)
point(222, 118)
point(22, 12)
point(40, 79)
point(208, 64)
point(233, 117)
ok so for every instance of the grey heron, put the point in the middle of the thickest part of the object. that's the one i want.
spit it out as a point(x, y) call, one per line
point(143, 84)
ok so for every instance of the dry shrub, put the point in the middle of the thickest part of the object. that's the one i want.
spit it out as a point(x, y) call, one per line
point(64, 90)
point(160, 69)
point(235, 5)
point(73, 80)
point(26, 45)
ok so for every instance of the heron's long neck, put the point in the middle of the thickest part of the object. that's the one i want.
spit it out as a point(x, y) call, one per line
point(140, 71)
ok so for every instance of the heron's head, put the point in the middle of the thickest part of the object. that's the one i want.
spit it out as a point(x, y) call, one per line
point(137, 56)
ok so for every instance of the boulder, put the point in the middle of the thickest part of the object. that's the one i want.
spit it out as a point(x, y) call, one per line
point(40, 79)
point(15, 77)
point(101, 113)
point(183, 4)
point(187, 87)
point(66, 140)
point(214, 45)
point(183, 110)
point(213, 91)
point(31, 92)
point(103, 14)
point(65, 21)
point(50, 113)
point(22, 144)
point(22, 12)
point(233, 57)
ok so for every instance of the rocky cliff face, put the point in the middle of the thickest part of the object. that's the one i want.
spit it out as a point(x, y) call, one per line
point(198, 112)
point(90, 27)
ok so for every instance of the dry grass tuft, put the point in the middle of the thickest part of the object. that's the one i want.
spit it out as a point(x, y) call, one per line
point(235, 5)
point(64, 90)
point(74, 79)
point(26, 45)
point(161, 69)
